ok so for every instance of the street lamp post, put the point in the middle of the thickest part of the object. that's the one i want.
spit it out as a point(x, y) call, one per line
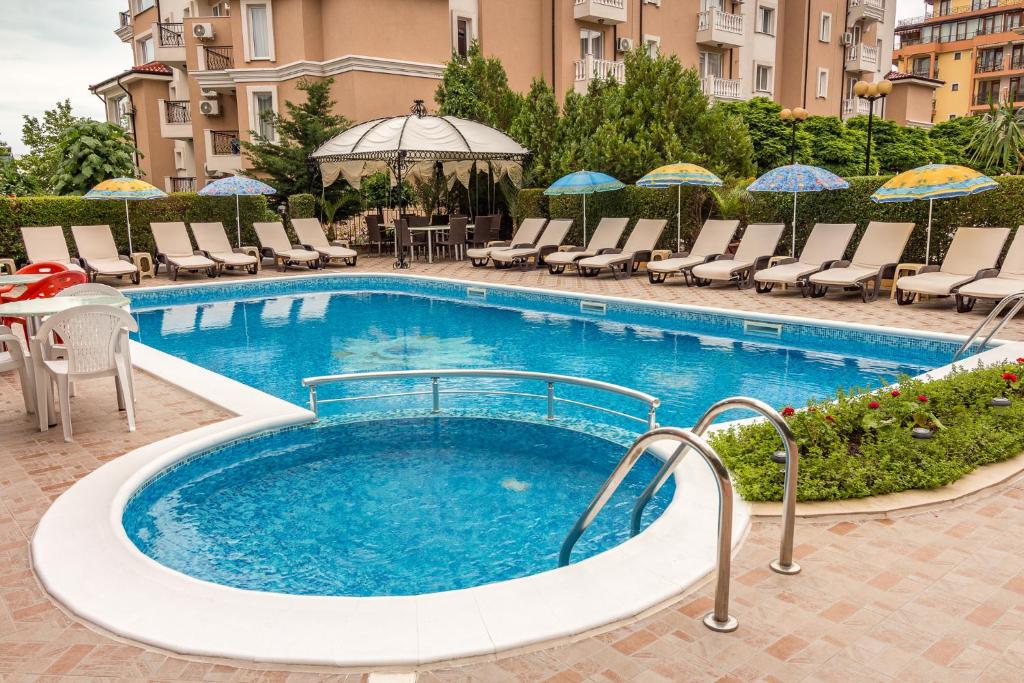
point(793, 117)
point(871, 92)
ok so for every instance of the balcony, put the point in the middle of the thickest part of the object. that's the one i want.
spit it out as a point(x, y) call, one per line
point(855, 106)
point(722, 88)
point(591, 69)
point(217, 58)
point(223, 152)
point(867, 10)
point(179, 184)
point(175, 119)
point(987, 65)
point(719, 29)
point(600, 11)
point(169, 46)
point(124, 29)
point(861, 59)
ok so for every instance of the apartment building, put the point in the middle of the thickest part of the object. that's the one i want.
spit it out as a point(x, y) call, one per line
point(975, 47)
point(205, 70)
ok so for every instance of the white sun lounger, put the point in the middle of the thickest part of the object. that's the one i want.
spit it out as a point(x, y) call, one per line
point(48, 244)
point(1009, 280)
point(972, 254)
point(311, 234)
point(713, 240)
point(638, 248)
point(876, 258)
point(825, 246)
point(174, 250)
point(213, 243)
point(756, 248)
point(525, 237)
point(274, 244)
point(605, 237)
point(547, 244)
point(98, 253)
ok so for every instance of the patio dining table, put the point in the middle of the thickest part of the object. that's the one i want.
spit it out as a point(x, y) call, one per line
point(430, 230)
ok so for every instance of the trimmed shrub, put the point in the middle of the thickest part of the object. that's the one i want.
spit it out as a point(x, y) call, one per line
point(301, 206)
point(861, 445)
point(67, 211)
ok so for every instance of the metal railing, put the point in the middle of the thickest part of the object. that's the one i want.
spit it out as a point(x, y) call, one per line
point(436, 392)
point(962, 9)
point(177, 111)
point(125, 19)
point(1018, 303)
point(218, 57)
point(225, 142)
point(182, 184)
point(171, 34)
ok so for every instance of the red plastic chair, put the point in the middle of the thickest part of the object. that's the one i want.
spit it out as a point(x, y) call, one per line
point(44, 289)
point(41, 268)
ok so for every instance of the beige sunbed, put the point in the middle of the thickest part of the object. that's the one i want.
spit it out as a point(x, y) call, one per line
point(825, 246)
point(713, 240)
point(755, 250)
point(876, 258)
point(311, 235)
point(48, 244)
point(972, 254)
point(526, 236)
point(606, 236)
point(547, 244)
point(1009, 280)
point(274, 243)
point(174, 250)
point(99, 255)
point(213, 243)
point(638, 248)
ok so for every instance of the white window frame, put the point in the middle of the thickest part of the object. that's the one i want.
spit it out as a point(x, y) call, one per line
point(470, 32)
point(143, 38)
point(771, 78)
point(825, 27)
point(140, 6)
point(247, 38)
point(820, 92)
point(591, 36)
point(254, 122)
point(652, 42)
point(758, 17)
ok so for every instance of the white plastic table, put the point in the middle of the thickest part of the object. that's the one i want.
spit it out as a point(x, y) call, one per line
point(430, 230)
point(22, 280)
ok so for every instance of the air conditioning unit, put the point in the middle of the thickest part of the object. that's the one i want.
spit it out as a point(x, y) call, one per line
point(209, 107)
point(653, 2)
point(847, 39)
point(202, 31)
point(624, 44)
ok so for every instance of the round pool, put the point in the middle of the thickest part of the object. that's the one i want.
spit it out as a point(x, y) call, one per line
point(390, 507)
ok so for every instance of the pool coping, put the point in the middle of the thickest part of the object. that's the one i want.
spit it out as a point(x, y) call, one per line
point(84, 559)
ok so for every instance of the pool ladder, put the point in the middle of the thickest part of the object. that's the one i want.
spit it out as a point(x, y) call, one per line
point(719, 618)
point(1018, 302)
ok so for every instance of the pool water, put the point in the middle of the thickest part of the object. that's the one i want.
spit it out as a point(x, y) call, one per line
point(387, 507)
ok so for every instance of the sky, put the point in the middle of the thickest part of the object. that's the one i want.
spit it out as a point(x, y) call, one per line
point(55, 49)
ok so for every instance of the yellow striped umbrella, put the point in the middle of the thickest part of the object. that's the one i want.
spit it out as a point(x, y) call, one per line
point(677, 175)
point(127, 190)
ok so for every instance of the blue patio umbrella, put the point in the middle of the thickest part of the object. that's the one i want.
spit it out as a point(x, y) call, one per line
point(238, 186)
point(584, 183)
point(797, 178)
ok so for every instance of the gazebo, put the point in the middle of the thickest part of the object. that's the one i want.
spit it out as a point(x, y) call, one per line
point(412, 146)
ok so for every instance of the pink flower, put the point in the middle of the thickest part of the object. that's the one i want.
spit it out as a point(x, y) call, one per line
point(1010, 377)
point(874, 405)
point(896, 393)
point(922, 398)
point(1020, 360)
point(787, 411)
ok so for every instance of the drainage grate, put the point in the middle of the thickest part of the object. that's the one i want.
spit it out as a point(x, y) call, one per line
point(762, 328)
point(478, 292)
point(593, 307)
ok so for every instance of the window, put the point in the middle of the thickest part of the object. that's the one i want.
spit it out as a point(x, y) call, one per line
point(257, 19)
point(766, 20)
point(762, 78)
point(955, 87)
point(943, 7)
point(652, 44)
point(822, 83)
point(922, 66)
point(710, 64)
point(143, 5)
point(220, 9)
point(145, 49)
point(952, 116)
point(825, 29)
point(119, 112)
point(592, 44)
point(957, 56)
point(262, 107)
point(463, 32)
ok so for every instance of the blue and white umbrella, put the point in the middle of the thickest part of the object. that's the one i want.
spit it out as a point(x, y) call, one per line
point(797, 178)
point(238, 186)
point(584, 183)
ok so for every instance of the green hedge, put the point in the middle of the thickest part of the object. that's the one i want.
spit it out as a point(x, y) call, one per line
point(21, 212)
point(301, 206)
point(1001, 207)
point(861, 445)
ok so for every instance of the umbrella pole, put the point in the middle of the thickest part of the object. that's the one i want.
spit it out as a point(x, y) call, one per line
point(679, 216)
point(128, 223)
point(928, 245)
point(238, 222)
point(584, 220)
point(794, 225)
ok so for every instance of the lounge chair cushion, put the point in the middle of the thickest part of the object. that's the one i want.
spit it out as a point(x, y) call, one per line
point(507, 255)
point(787, 273)
point(720, 270)
point(337, 252)
point(564, 258)
point(112, 266)
point(481, 253)
point(301, 255)
point(605, 260)
point(938, 283)
point(674, 265)
point(844, 277)
point(190, 261)
point(230, 258)
point(993, 287)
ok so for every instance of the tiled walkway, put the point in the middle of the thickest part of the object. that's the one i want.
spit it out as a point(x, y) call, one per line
point(930, 597)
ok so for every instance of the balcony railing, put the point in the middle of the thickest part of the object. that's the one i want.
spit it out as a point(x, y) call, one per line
point(225, 142)
point(986, 98)
point(171, 35)
point(178, 111)
point(721, 21)
point(872, 10)
point(722, 88)
point(219, 57)
point(590, 68)
point(125, 19)
point(180, 184)
point(1008, 63)
point(601, 11)
point(614, 4)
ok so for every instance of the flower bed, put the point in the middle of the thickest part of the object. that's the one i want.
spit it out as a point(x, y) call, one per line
point(863, 442)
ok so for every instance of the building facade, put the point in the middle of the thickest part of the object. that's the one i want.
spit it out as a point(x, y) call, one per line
point(974, 46)
point(205, 70)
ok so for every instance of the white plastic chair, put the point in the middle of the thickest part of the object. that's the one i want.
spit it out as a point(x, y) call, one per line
point(90, 289)
point(13, 358)
point(93, 344)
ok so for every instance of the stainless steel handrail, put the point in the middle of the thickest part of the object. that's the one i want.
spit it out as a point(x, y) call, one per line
point(784, 564)
point(718, 619)
point(435, 376)
point(996, 310)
